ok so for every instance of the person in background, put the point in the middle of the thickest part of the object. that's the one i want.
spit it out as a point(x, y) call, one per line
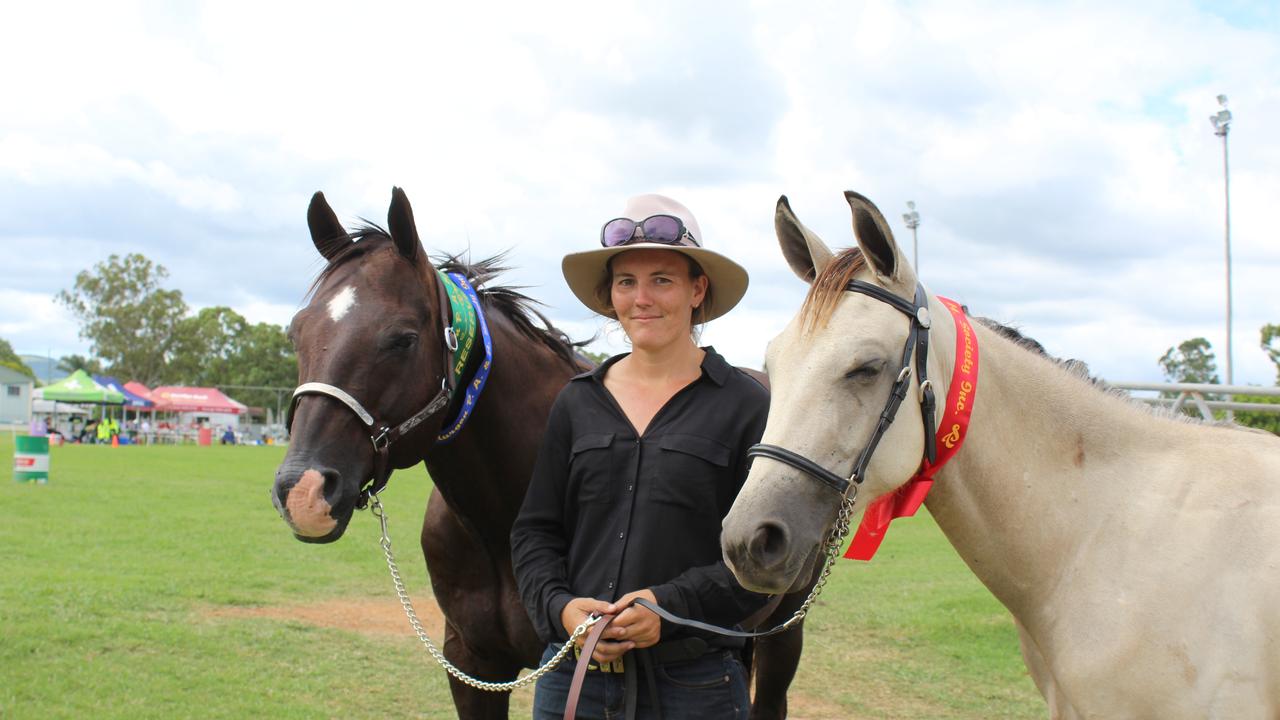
point(39, 427)
point(641, 459)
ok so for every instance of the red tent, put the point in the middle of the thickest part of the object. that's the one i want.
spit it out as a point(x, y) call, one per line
point(139, 389)
point(195, 399)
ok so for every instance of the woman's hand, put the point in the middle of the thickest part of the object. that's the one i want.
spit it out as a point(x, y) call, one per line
point(636, 625)
point(577, 611)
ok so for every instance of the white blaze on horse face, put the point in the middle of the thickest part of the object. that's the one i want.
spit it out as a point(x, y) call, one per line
point(341, 303)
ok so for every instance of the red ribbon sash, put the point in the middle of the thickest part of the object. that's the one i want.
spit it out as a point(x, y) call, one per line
point(904, 501)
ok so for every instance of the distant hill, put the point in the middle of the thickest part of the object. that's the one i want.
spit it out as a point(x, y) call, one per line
point(46, 370)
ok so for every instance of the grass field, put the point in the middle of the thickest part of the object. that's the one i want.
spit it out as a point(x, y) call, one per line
point(118, 582)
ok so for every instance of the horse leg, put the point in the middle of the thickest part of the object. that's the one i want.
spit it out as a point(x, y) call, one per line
point(776, 659)
point(470, 595)
point(473, 703)
point(1038, 668)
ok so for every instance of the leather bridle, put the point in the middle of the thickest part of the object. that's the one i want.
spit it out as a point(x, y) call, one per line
point(917, 344)
point(383, 434)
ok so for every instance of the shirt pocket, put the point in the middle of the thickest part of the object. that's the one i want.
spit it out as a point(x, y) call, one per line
point(692, 468)
point(591, 468)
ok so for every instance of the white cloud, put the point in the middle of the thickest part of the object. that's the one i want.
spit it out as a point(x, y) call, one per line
point(34, 324)
point(1060, 155)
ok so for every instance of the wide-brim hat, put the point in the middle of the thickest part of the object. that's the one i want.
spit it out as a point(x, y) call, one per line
point(584, 271)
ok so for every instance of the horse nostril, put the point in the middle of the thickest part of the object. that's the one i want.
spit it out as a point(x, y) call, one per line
point(330, 488)
point(769, 544)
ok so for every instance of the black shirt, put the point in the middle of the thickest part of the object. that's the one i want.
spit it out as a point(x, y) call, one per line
point(609, 512)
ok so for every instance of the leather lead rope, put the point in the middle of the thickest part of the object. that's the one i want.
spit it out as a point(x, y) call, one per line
point(630, 680)
point(580, 672)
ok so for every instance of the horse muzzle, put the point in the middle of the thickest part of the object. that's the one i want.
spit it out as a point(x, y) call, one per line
point(763, 557)
point(309, 503)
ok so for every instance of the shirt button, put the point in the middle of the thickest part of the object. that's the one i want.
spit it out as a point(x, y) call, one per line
point(610, 585)
point(629, 486)
point(620, 535)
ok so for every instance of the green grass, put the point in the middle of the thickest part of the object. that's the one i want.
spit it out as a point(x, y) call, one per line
point(108, 575)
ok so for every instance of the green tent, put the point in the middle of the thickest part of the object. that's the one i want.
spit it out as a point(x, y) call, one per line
point(80, 388)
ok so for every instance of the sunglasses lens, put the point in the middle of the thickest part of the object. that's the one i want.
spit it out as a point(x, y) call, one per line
point(662, 229)
point(617, 232)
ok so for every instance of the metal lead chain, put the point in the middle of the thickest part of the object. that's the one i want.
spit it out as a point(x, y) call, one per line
point(834, 541)
point(375, 506)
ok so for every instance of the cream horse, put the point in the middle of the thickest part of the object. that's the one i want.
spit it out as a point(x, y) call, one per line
point(1138, 554)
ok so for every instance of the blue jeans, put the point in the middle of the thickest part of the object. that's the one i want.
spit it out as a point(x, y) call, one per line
point(712, 687)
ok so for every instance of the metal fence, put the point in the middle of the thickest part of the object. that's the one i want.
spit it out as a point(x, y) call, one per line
point(1204, 397)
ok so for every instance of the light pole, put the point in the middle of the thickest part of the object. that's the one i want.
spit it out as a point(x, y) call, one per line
point(1221, 125)
point(912, 219)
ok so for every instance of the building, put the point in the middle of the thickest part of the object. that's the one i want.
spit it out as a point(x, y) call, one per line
point(15, 397)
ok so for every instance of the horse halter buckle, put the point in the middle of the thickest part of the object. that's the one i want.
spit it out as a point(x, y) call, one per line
point(917, 344)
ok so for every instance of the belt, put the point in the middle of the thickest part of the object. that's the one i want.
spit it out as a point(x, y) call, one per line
point(671, 651)
point(629, 691)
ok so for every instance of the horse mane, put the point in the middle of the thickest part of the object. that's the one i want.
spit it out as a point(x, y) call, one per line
point(364, 239)
point(1079, 369)
point(827, 289)
point(519, 308)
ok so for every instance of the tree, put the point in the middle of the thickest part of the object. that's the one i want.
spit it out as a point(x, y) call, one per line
point(10, 359)
point(264, 357)
point(203, 347)
point(1271, 345)
point(1268, 421)
point(72, 363)
point(1190, 362)
point(126, 315)
point(1193, 362)
point(217, 347)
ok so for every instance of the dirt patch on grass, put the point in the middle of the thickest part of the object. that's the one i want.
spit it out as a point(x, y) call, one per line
point(386, 618)
point(801, 706)
point(365, 616)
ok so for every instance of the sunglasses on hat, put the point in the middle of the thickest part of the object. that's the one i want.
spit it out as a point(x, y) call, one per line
point(665, 229)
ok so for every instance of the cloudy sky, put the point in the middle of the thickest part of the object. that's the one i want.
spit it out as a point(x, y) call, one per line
point(1060, 154)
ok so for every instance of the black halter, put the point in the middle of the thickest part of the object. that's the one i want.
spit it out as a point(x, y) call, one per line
point(382, 434)
point(917, 344)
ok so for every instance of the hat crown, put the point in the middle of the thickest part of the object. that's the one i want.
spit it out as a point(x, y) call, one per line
point(644, 206)
point(585, 271)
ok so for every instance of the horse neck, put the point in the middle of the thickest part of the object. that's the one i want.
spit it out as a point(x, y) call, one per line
point(1043, 458)
point(484, 471)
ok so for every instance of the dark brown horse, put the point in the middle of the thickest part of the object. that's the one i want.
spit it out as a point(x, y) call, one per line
point(374, 328)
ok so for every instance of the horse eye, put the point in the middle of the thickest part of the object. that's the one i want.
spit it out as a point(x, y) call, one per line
point(404, 341)
point(865, 371)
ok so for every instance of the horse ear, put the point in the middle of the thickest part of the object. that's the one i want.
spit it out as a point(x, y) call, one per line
point(876, 241)
point(805, 252)
point(326, 232)
point(400, 221)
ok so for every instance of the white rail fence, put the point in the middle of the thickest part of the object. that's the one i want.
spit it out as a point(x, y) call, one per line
point(1204, 397)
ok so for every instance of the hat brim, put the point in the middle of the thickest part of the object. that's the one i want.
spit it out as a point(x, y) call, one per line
point(584, 271)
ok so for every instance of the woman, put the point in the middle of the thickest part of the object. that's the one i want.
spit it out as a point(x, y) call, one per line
point(641, 459)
